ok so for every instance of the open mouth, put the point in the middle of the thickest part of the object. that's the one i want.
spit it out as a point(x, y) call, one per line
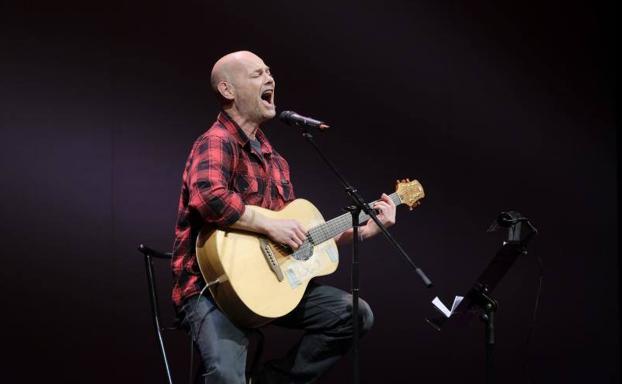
point(268, 96)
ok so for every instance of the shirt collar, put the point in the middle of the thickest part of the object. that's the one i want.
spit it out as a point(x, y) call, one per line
point(241, 137)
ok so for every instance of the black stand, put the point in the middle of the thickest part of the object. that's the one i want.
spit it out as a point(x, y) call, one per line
point(478, 299)
point(358, 206)
point(354, 282)
point(153, 299)
point(489, 307)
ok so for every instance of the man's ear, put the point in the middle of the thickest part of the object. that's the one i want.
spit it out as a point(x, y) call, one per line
point(226, 90)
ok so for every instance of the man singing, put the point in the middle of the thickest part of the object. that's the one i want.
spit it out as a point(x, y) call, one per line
point(230, 166)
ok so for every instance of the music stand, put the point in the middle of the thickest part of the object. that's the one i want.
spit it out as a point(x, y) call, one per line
point(479, 299)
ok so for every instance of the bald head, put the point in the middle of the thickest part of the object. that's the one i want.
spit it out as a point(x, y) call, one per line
point(230, 67)
point(244, 85)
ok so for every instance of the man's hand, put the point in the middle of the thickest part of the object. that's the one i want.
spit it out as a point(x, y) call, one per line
point(282, 231)
point(386, 215)
point(291, 233)
point(288, 232)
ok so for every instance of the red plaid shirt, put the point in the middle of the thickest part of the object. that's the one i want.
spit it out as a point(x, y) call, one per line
point(222, 175)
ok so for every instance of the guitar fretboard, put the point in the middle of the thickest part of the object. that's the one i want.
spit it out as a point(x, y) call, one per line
point(333, 227)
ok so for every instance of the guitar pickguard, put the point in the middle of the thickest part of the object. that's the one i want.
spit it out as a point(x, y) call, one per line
point(301, 271)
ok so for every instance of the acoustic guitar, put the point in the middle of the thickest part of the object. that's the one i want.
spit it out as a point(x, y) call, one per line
point(254, 280)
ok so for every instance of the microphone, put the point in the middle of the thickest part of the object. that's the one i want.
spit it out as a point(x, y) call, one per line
point(292, 118)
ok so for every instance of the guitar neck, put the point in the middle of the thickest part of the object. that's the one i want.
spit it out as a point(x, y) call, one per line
point(332, 228)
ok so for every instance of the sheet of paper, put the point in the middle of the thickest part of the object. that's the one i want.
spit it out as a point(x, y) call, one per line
point(457, 301)
point(438, 304)
point(441, 307)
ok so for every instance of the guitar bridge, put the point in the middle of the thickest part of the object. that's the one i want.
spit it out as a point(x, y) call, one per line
point(268, 253)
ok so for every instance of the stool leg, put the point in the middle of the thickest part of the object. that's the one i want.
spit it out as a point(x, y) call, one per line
point(154, 312)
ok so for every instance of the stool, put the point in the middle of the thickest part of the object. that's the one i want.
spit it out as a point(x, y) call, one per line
point(149, 254)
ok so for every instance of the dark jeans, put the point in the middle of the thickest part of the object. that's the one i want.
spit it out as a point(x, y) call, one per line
point(324, 313)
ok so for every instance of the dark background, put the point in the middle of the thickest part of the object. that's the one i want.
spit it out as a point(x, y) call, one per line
point(490, 106)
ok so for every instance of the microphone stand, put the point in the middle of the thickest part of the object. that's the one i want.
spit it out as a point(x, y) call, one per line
point(355, 209)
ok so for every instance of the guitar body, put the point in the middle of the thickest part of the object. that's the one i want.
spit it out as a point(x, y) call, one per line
point(258, 280)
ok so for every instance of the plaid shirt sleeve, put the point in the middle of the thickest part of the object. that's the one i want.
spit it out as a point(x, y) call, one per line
point(209, 178)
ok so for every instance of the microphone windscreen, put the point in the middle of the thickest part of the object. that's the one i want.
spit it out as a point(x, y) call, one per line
point(285, 116)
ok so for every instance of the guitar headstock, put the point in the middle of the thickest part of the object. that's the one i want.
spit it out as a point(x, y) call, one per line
point(409, 192)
